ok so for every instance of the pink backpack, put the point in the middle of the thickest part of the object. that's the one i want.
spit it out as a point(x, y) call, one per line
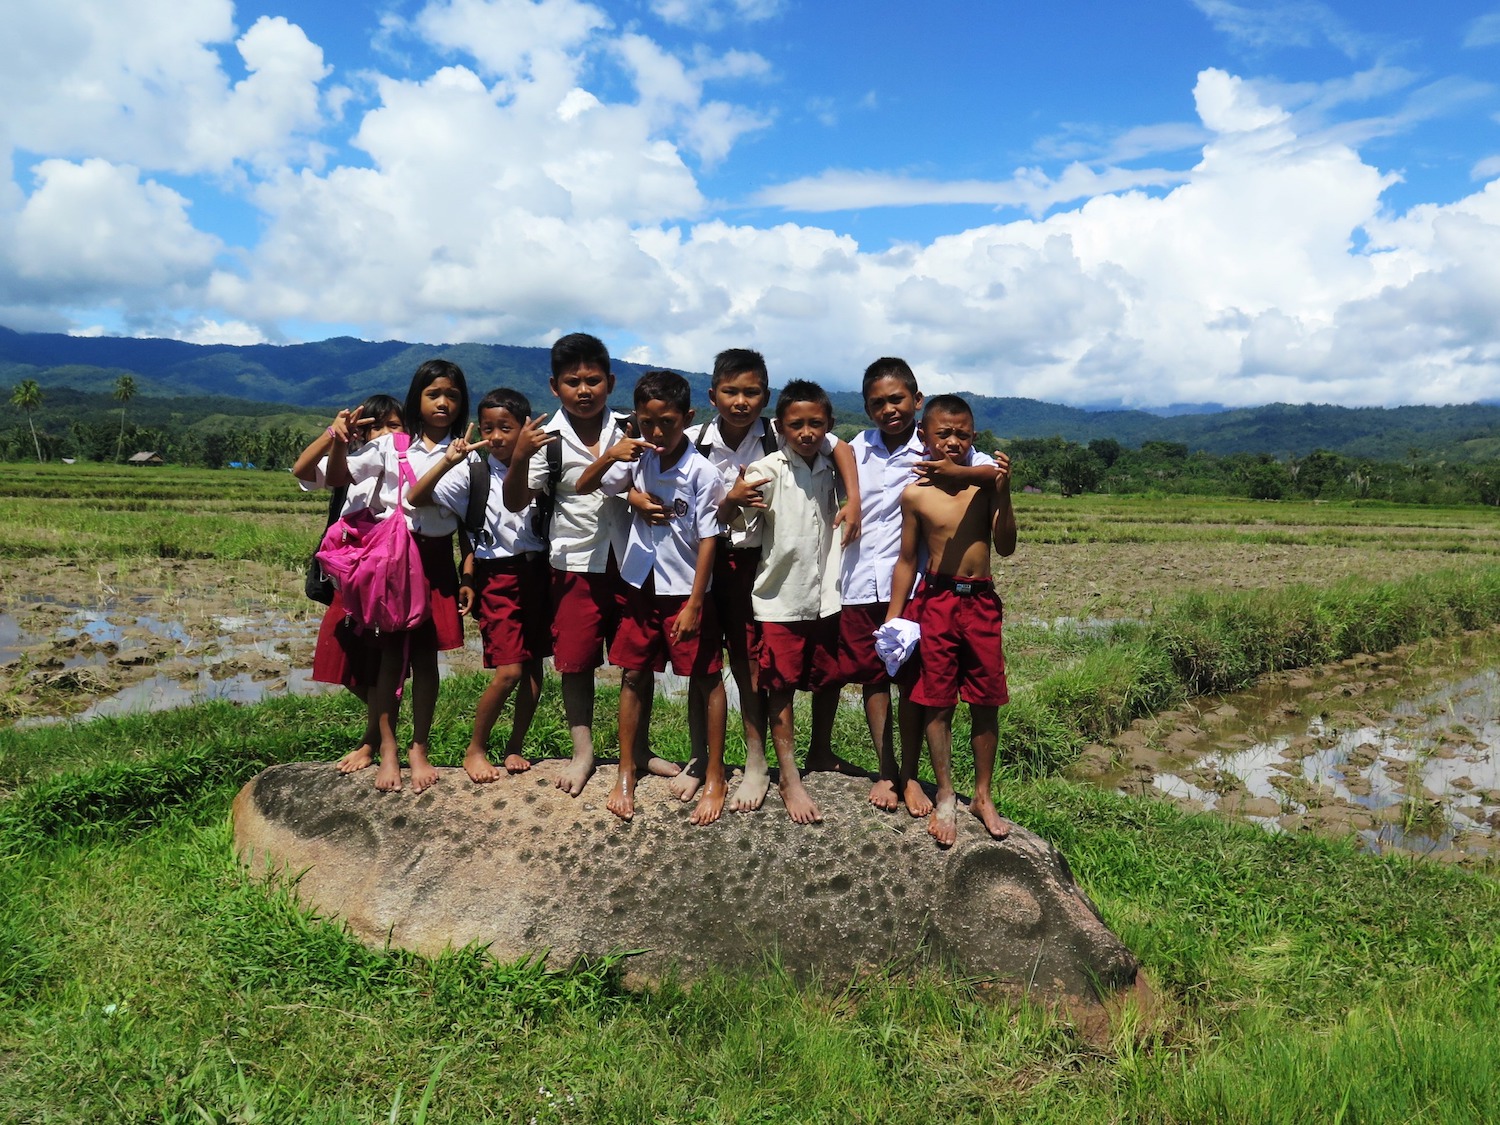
point(375, 563)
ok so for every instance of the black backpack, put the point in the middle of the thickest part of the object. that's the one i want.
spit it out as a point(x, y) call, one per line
point(768, 442)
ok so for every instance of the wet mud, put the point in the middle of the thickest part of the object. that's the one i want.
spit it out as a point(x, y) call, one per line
point(1400, 750)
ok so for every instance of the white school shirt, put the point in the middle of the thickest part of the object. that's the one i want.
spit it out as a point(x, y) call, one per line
point(692, 491)
point(798, 575)
point(510, 533)
point(378, 461)
point(585, 529)
point(729, 462)
point(357, 496)
point(870, 561)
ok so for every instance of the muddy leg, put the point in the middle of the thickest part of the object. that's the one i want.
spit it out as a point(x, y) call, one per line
point(751, 790)
point(911, 719)
point(477, 762)
point(528, 695)
point(799, 805)
point(710, 689)
point(635, 688)
point(578, 708)
point(384, 707)
point(984, 723)
point(883, 794)
point(943, 826)
point(424, 689)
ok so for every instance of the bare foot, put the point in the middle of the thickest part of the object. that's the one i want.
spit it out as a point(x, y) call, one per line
point(478, 766)
point(883, 795)
point(995, 824)
point(660, 767)
point(799, 806)
point(423, 776)
point(751, 791)
point(360, 758)
point(388, 777)
point(685, 785)
point(943, 827)
point(917, 801)
point(516, 763)
point(572, 780)
point(711, 804)
point(622, 798)
point(826, 761)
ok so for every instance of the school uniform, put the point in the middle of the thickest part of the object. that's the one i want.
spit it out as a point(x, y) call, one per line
point(869, 563)
point(587, 537)
point(432, 524)
point(796, 591)
point(511, 573)
point(660, 561)
point(961, 654)
point(341, 654)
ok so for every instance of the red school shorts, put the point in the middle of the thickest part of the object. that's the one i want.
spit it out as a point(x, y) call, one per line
point(512, 603)
point(960, 654)
point(734, 580)
point(799, 655)
point(859, 663)
point(643, 642)
point(444, 630)
point(585, 614)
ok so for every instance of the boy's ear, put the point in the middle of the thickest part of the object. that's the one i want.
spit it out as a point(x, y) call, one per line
point(687, 419)
point(609, 383)
point(917, 400)
point(552, 382)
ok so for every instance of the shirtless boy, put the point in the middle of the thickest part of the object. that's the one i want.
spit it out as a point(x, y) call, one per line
point(959, 654)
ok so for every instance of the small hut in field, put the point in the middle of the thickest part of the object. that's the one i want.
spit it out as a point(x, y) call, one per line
point(146, 457)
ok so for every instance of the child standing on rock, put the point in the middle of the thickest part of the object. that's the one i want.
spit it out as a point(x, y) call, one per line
point(959, 654)
point(437, 411)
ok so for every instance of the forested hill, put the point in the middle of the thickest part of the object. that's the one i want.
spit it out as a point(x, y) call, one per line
point(341, 371)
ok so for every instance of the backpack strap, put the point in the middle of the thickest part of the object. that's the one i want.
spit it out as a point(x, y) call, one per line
point(476, 513)
point(768, 442)
point(402, 441)
point(704, 442)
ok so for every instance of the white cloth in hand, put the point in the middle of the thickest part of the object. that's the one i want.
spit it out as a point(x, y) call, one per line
point(895, 641)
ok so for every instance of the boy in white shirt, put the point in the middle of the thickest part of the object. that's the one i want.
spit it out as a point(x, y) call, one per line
point(511, 579)
point(667, 567)
point(796, 592)
point(890, 456)
point(587, 533)
point(740, 391)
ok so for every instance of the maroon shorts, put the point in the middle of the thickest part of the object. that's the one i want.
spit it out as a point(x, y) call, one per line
point(643, 643)
point(343, 655)
point(859, 663)
point(585, 614)
point(511, 602)
point(445, 629)
point(959, 655)
point(799, 655)
point(734, 579)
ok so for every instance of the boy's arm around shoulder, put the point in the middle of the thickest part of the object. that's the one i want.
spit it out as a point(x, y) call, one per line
point(849, 516)
point(1004, 525)
point(905, 576)
point(754, 489)
point(456, 453)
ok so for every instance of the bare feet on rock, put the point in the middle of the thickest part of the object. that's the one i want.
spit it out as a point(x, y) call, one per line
point(423, 776)
point(799, 806)
point(684, 785)
point(917, 801)
point(360, 758)
point(622, 797)
point(995, 824)
point(660, 767)
point(517, 763)
point(826, 761)
point(883, 795)
point(710, 804)
point(388, 777)
point(943, 825)
point(478, 766)
point(750, 793)
point(572, 780)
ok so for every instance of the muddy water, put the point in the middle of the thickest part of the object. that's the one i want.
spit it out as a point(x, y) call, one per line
point(1401, 750)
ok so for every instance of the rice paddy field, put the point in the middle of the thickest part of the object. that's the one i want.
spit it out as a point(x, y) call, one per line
point(1303, 974)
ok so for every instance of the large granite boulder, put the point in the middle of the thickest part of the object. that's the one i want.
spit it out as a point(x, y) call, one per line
point(522, 868)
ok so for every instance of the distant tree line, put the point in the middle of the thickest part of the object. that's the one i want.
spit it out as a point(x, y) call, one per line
point(274, 447)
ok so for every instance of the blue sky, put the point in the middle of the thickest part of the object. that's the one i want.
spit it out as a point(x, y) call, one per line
point(1169, 201)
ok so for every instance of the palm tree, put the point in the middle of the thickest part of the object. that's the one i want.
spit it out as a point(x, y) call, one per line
point(124, 392)
point(27, 396)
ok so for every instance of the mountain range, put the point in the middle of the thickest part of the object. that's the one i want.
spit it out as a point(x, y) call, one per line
point(323, 376)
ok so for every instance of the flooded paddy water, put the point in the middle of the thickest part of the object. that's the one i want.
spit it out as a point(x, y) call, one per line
point(1400, 749)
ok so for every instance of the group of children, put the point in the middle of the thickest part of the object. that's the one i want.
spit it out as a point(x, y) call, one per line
point(654, 541)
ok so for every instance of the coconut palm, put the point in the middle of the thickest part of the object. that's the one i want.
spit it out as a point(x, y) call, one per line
point(27, 396)
point(124, 391)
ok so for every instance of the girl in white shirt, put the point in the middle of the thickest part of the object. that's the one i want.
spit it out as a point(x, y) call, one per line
point(437, 411)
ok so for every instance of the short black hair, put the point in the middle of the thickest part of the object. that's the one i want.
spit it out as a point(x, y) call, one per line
point(377, 408)
point(503, 398)
point(426, 375)
point(889, 367)
point(803, 390)
point(664, 386)
point(946, 404)
point(579, 349)
point(736, 361)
